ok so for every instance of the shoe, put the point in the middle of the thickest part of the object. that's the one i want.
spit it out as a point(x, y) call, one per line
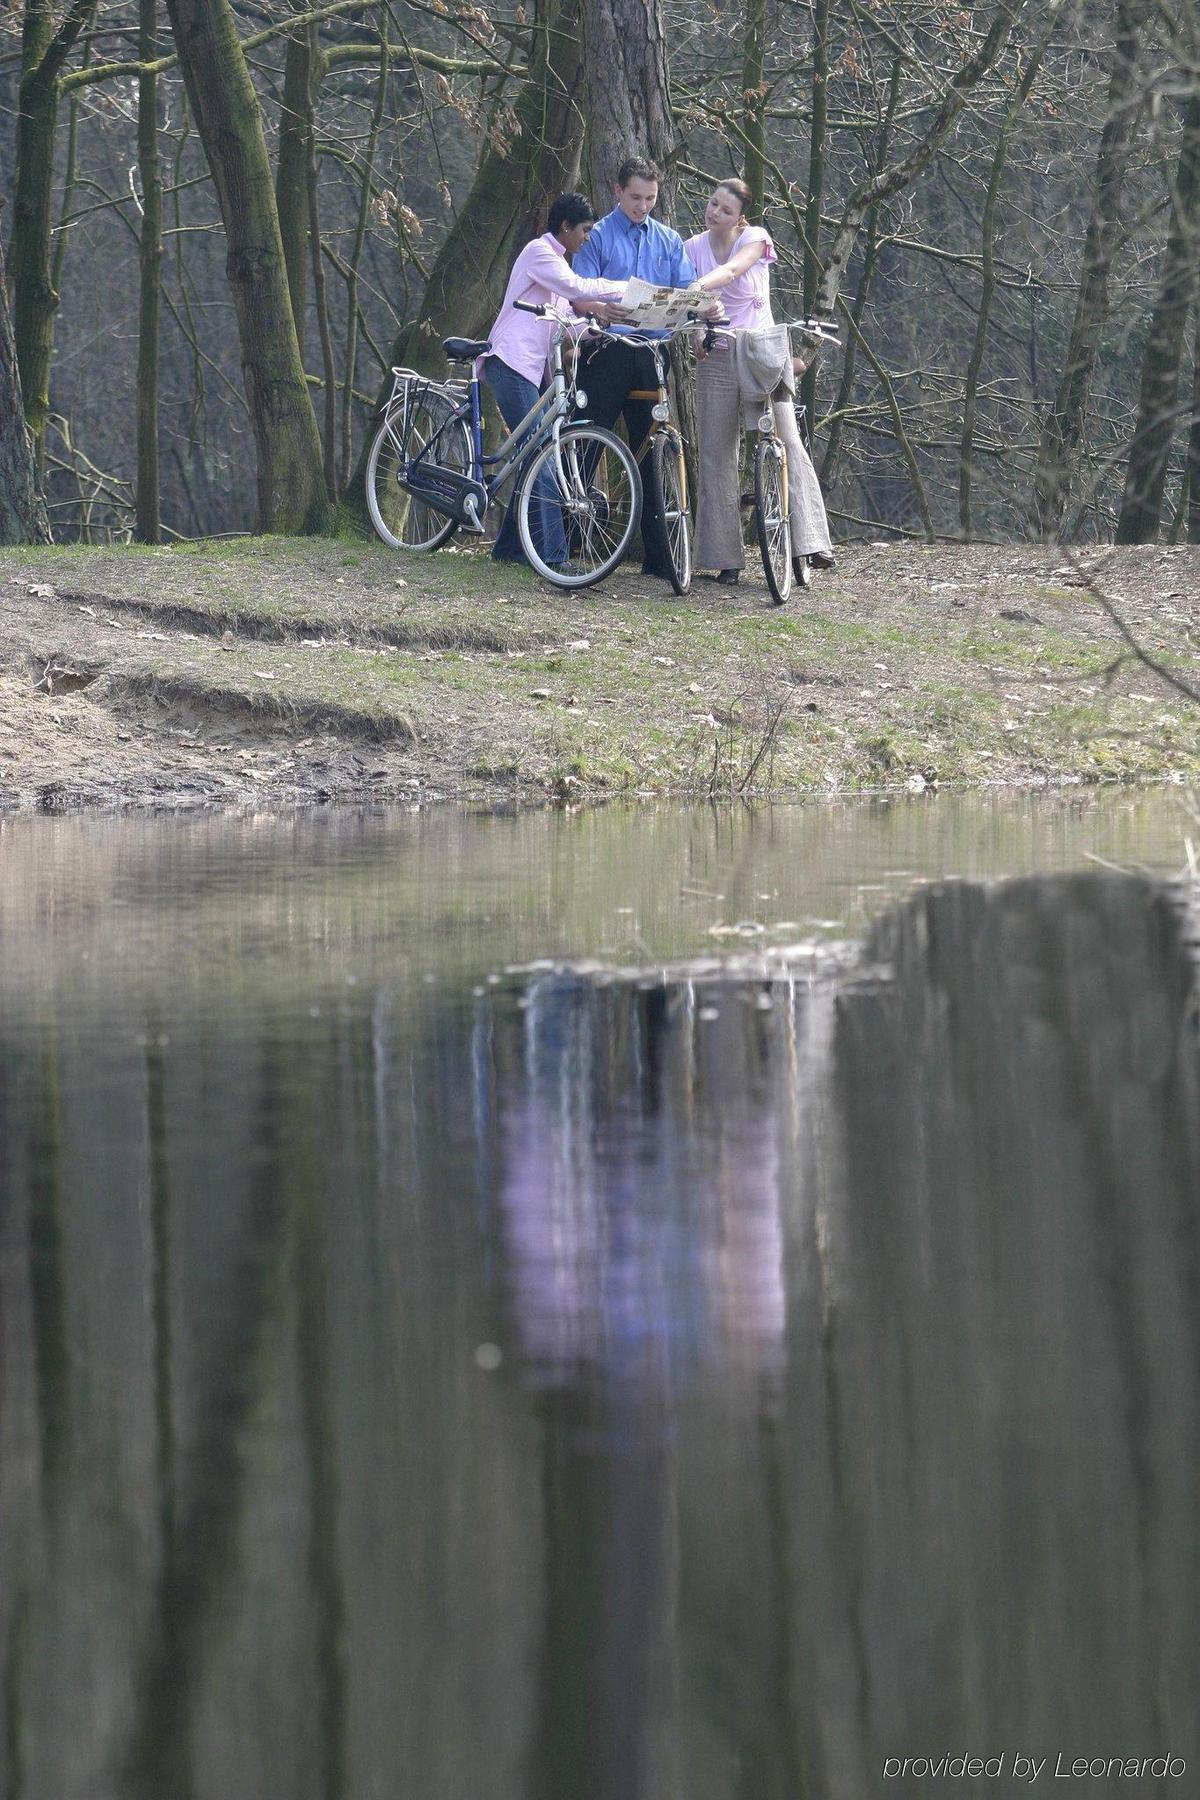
point(819, 560)
point(729, 577)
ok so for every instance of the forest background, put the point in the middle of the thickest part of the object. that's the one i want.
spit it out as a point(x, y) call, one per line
point(227, 219)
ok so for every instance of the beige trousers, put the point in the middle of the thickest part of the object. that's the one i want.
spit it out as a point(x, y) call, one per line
point(718, 512)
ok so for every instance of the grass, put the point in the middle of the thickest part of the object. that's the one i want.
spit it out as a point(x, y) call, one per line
point(494, 680)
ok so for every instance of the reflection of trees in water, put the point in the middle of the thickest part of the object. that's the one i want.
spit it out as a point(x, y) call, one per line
point(1012, 1339)
point(641, 1141)
point(849, 1406)
point(638, 1176)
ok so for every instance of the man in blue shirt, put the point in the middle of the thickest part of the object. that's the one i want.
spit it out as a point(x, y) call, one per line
point(627, 241)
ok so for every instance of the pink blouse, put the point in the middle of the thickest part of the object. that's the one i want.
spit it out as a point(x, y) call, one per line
point(748, 297)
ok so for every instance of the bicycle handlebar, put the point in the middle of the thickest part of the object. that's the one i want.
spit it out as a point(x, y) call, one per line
point(819, 330)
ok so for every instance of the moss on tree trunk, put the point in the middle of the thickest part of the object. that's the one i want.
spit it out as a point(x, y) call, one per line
point(291, 484)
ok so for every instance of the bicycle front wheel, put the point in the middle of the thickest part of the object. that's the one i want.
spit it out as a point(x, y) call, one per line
point(771, 516)
point(671, 526)
point(402, 520)
point(578, 505)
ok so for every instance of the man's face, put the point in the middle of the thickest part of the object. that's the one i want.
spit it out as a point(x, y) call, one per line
point(637, 200)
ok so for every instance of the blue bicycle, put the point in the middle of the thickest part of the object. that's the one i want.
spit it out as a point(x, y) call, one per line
point(578, 491)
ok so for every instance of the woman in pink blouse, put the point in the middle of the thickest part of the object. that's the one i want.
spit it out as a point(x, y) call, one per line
point(733, 258)
point(515, 368)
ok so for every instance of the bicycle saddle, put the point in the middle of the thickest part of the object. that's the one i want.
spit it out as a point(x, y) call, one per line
point(465, 349)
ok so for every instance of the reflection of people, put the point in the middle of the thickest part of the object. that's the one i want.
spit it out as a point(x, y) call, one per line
point(628, 242)
point(734, 257)
point(515, 371)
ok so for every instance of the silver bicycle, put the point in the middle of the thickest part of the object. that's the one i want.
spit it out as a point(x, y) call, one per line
point(771, 497)
point(578, 491)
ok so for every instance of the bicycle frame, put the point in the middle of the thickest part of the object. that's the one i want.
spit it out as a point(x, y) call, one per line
point(490, 470)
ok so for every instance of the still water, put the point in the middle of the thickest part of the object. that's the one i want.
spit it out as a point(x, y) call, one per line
point(452, 1350)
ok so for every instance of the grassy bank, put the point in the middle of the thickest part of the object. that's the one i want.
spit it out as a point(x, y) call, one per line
point(301, 669)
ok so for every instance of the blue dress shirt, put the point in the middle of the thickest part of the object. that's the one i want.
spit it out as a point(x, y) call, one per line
point(618, 249)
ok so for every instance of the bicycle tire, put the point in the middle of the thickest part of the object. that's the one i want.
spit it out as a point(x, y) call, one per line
point(671, 527)
point(399, 518)
point(771, 519)
point(598, 510)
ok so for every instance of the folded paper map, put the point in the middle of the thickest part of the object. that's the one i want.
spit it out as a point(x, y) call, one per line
point(662, 308)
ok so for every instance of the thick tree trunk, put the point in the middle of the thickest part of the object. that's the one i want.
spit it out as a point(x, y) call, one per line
point(1063, 429)
point(43, 54)
point(626, 97)
point(291, 483)
point(146, 523)
point(22, 509)
point(505, 208)
point(1146, 472)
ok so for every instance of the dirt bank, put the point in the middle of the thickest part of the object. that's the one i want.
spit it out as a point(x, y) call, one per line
point(287, 672)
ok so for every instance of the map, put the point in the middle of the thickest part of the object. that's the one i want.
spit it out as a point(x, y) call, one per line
point(662, 308)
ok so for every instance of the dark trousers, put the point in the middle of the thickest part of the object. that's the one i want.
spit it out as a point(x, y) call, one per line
point(606, 374)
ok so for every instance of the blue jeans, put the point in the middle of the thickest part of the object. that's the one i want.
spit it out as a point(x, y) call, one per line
point(515, 394)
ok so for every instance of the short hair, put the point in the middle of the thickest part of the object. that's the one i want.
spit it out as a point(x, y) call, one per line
point(637, 168)
point(741, 191)
point(570, 209)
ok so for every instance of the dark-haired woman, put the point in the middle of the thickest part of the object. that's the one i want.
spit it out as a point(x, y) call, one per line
point(733, 258)
point(516, 368)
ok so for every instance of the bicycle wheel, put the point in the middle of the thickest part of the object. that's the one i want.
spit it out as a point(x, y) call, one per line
point(771, 516)
point(578, 505)
point(671, 526)
point(402, 520)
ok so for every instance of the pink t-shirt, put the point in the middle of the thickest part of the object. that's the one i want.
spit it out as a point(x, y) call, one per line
point(748, 298)
point(542, 276)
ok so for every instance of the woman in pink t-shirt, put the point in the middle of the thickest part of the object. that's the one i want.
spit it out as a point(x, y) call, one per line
point(735, 259)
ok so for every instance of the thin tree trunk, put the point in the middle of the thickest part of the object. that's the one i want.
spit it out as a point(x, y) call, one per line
point(869, 263)
point(321, 305)
point(908, 171)
point(816, 184)
point(987, 285)
point(505, 208)
point(753, 98)
point(292, 495)
point(1193, 450)
point(360, 233)
point(1063, 429)
point(291, 166)
point(22, 509)
point(146, 520)
point(44, 51)
point(1146, 472)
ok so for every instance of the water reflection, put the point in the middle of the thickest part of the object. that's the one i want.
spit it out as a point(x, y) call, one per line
point(847, 1395)
point(642, 1128)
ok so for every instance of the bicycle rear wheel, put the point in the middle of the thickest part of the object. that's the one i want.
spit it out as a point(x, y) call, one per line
point(402, 520)
point(671, 526)
point(771, 516)
point(578, 505)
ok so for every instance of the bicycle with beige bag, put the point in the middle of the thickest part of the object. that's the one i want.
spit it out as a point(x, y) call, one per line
point(764, 367)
